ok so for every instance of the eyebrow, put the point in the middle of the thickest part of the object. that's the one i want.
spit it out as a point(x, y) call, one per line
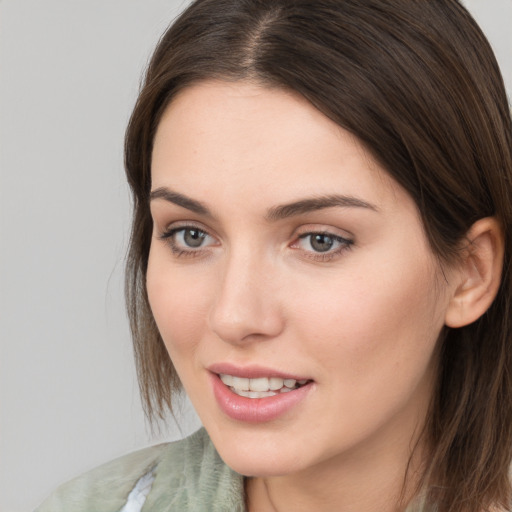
point(276, 212)
point(180, 200)
point(317, 203)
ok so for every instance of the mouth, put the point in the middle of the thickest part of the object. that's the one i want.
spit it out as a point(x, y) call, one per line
point(257, 394)
point(261, 387)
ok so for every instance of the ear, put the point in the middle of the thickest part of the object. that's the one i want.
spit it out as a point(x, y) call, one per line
point(478, 273)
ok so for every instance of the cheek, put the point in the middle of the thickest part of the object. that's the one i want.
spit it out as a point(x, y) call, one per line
point(179, 302)
point(374, 327)
point(373, 343)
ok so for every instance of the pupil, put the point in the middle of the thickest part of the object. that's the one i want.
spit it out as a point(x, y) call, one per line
point(321, 243)
point(193, 237)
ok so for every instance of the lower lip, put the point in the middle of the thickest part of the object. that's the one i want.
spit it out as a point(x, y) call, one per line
point(256, 410)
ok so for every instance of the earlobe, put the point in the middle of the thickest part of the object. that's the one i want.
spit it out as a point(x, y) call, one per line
point(479, 273)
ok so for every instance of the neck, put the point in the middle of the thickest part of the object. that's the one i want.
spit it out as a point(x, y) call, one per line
point(370, 479)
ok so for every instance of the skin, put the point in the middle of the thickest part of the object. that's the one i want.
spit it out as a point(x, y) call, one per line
point(361, 320)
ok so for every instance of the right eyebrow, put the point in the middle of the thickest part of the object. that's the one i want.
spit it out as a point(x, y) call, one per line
point(180, 200)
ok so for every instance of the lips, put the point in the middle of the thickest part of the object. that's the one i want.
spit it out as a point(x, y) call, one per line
point(255, 394)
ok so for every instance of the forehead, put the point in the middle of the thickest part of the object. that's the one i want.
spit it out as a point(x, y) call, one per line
point(242, 137)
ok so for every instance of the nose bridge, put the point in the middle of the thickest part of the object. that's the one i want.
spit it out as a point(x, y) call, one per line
point(245, 304)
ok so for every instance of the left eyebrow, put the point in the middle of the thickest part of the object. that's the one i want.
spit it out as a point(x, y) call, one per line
point(316, 203)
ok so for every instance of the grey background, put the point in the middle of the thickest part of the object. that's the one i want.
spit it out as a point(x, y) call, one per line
point(69, 74)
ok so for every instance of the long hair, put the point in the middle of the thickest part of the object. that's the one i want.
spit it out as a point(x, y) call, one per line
point(417, 82)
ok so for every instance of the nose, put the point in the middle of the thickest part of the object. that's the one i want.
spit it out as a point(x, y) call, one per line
point(246, 307)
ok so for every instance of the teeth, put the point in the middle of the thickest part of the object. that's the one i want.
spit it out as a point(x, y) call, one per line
point(254, 394)
point(274, 383)
point(260, 384)
point(227, 379)
point(241, 383)
point(253, 388)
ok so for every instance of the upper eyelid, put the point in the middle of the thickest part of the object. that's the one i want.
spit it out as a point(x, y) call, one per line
point(324, 232)
point(173, 230)
point(310, 229)
point(300, 232)
point(178, 225)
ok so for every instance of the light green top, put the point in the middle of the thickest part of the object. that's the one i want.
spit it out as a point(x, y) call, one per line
point(189, 476)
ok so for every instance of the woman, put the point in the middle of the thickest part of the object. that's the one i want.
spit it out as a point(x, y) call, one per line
point(321, 244)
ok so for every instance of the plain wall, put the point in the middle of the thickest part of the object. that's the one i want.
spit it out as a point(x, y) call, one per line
point(69, 74)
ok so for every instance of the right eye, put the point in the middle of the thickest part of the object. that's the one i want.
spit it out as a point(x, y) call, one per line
point(186, 240)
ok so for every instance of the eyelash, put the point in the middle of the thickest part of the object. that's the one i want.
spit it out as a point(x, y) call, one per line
point(344, 243)
point(169, 237)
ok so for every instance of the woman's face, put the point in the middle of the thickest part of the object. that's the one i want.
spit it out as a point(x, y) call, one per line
point(285, 260)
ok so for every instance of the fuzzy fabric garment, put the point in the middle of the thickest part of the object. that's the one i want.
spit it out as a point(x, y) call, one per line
point(188, 475)
point(137, 497)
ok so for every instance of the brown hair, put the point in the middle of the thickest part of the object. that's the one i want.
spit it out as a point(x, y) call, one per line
point(417, 82)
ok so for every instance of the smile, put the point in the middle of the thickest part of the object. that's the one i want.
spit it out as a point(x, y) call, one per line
point(254, 398)
point(261, 387)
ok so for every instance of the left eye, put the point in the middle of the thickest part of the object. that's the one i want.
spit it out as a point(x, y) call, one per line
point(322, 242)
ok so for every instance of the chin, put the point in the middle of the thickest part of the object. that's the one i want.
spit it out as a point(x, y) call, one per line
point(261, 464)
point(258, 454)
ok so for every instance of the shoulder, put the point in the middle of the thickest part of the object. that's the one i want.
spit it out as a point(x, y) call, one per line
point(188, 475)
point(106, 487)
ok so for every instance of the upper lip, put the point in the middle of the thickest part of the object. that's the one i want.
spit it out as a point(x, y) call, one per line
point(252, 371)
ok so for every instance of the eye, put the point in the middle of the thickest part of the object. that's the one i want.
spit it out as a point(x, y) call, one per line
point(320, 242)
point(322, 245)
point(190, 237)
point(185, 240)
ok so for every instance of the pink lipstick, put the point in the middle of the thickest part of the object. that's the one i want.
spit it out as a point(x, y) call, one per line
point(255, 394)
